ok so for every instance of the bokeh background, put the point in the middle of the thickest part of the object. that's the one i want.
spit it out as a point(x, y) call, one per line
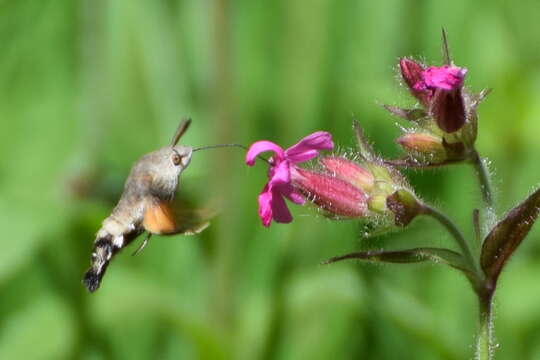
point(86, 87)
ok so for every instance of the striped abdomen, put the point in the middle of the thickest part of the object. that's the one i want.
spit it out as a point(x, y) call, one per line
point(110, 239)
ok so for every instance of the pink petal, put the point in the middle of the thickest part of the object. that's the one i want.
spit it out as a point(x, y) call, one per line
point(306, 149)
point(273, 206)
point(290, 193)
point(280, 174)
point(444, 77)
point(411, 71)
point(261, 146)
point(280, 211)
point(265, 206)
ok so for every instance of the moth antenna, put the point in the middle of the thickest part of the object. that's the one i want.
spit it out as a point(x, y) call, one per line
point(182, 128)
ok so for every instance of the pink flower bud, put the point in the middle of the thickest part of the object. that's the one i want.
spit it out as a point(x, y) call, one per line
point(421, 142)
point(448, 110)
point(438, 89)
point(411, 71)
point(349, 171)
point(332, 194)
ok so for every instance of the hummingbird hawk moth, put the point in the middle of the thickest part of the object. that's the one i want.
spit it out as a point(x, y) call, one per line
point(146, 205)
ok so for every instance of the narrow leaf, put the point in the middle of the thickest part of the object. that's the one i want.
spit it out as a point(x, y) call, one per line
point(476, 99)
point(505, 237)
point(408, 256)
point(445, 49)
point(366, 151)
point(473, 100)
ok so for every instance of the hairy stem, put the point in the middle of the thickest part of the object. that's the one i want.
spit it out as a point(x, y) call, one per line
point(483, 178)
point(484, 345)
point(455, 232)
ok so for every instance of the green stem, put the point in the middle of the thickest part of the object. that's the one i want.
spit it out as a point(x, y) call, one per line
point(454, 231)
point(483, 177)
point(484, 345)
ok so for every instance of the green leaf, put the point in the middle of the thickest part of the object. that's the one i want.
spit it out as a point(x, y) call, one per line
point(505, 237)
point(408, 256)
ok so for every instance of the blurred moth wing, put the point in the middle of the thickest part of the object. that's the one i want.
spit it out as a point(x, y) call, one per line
point(159, 218)
point(171, 218)
point(192, 221)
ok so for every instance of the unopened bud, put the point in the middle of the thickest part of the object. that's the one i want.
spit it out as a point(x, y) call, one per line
point(349, 171)
point(411, 71)
point(448, 110)
point(332, 194)
point(421, 142)
point(446, 100)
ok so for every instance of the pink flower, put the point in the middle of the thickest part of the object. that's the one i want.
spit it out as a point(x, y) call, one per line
point(423, 82)
point(447, 105)
point(282, 168)
point(445, 77)
point(438, 88)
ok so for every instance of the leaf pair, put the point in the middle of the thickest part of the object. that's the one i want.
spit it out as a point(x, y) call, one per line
point(436, 255)
point(498, 246)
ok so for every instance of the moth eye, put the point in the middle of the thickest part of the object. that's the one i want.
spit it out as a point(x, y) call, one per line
point(176, 159)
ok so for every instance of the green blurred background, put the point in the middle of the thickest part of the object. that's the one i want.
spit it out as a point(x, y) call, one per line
point(86, 87)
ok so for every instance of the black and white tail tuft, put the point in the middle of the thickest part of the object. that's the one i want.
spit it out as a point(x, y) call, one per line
point(101, 256)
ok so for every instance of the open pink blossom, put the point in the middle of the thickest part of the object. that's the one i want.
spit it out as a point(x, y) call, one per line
point(282, 169)
point(444, 77)
point(439, 90)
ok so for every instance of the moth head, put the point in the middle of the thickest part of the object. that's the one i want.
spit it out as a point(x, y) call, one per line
point(165, 165)
point(180, 157)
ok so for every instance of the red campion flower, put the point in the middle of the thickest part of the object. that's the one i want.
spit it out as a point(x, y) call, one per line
point(439, 90)
point(282, 169)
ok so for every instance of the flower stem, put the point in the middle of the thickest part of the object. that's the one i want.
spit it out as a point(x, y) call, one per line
point(455, 232)
point(484, 345)
point(484, 179)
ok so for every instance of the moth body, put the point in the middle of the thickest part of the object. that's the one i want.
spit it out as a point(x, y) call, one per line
point(145, 205)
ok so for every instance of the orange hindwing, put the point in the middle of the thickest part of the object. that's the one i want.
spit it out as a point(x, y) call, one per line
point(159, 218)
